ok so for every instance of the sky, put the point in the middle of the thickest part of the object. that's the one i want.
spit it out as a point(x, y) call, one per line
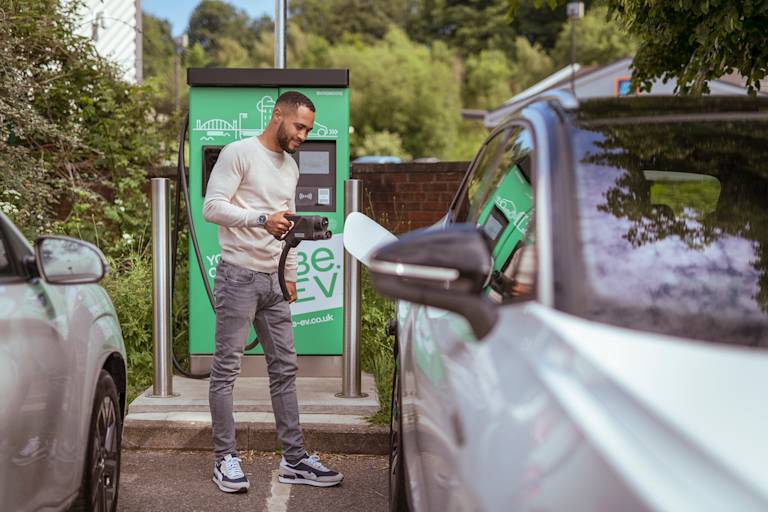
point(178, 11)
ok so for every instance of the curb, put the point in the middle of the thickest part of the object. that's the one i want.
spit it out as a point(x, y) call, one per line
point(330, 438)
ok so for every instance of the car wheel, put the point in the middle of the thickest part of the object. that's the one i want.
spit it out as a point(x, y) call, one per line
point(101, 474)
point(397, 499)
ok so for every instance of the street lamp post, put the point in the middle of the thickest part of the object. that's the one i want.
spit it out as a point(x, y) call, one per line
point(575, 11)
point(281, 18)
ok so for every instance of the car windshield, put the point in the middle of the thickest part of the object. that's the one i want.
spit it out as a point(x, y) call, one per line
point(673, 221)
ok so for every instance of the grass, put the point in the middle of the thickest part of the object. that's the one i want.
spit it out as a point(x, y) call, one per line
point(376, 346)
point(129, 285)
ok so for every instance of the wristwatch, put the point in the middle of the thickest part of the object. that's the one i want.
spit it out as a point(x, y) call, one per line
point(261, 220)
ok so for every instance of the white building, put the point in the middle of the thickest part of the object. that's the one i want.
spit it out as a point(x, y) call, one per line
point(600, 81)
point(115, 28)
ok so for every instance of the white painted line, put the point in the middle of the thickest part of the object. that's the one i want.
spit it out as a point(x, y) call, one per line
point(279, 495)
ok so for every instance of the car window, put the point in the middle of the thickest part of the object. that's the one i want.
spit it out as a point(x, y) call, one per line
point(515, 280)
point(488, 161)
point(14, 248)
point(673, 223)
point(501, 203)
point(506, 182)
point(5, 257)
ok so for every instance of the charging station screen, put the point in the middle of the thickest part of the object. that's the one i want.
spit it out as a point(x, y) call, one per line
point(495, 224)
point(316, 190)
point(314, 162)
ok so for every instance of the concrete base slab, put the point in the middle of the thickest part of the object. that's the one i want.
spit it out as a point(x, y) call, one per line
point(326, 433)
point(330, 424)
point(256, 366)
point(251, 394)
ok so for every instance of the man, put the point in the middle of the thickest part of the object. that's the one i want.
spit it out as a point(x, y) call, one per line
point(251, 190)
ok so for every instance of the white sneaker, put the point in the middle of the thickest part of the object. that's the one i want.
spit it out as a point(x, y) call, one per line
point(228, 475)
point(308, 471)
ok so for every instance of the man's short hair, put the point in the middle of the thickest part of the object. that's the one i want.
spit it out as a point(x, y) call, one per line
point(292, 100)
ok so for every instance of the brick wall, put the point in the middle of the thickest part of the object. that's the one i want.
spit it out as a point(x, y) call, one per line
point(402, 197)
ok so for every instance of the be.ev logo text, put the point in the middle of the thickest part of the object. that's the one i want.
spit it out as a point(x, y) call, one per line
point(320, 277)
point(317, 273)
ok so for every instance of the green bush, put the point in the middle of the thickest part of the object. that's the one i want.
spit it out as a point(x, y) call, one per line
point(129, 284)
point(376, 346)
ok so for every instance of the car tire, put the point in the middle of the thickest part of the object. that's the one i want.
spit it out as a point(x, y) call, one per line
point(397, 498)
point(101, 471)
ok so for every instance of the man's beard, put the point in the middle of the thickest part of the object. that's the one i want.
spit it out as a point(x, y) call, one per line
point(283, 140)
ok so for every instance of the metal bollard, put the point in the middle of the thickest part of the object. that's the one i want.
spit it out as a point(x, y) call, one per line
point(350, 369)
point(162, 386)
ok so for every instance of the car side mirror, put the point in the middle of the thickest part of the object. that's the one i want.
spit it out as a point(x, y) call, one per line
point(447, 268)
point(64, 260)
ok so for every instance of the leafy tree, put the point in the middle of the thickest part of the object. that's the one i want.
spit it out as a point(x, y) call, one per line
point(473, 133)
point(600, 39)
point(304, 50)
point(195, 57)
point(76, 137)
point(158, 62)
point(469, 27)
point(531, 64)
point(157, 45)
point(263, 52)
point(262, 24)
point(213, 20)
point(228, 53)
point(488, 77)
point(383, 143)
point(424, 107)
point(332, 19)
point(693, 42)
point(405, 88)
point(540, 25)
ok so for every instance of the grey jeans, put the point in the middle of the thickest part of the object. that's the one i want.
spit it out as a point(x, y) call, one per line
point(245, 297)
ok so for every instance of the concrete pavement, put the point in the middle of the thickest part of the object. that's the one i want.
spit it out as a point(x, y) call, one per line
point(330, 424)
point(181, 481)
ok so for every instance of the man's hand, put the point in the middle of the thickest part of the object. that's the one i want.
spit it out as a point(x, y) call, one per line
point(277, 225)
point(291, 291)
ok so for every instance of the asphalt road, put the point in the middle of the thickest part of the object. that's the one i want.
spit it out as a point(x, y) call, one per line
point(171, 480)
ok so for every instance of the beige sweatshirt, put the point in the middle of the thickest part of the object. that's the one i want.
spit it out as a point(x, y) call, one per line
point(249, 180)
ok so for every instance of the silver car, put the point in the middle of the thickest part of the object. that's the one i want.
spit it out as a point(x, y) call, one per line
point(586, 329)
point(62, 376)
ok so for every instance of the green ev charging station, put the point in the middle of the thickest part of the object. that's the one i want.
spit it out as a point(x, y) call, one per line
point(226, 105)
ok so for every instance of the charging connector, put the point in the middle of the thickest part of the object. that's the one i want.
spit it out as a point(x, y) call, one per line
point(305, 228)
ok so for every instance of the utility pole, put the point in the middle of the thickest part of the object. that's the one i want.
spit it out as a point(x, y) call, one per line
point(280, 24)
point(575, 11)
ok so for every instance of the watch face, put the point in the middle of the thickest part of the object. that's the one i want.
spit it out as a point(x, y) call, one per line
point(262, 219)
